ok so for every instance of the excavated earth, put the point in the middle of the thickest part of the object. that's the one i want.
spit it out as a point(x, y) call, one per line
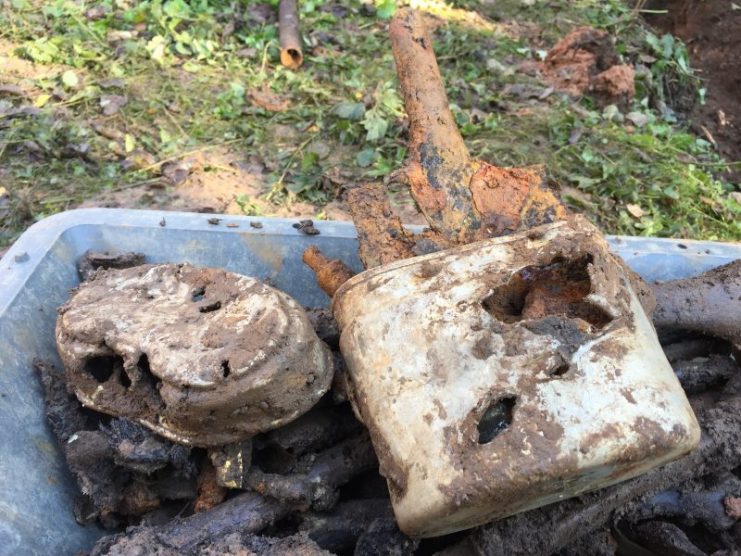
point(712, 31)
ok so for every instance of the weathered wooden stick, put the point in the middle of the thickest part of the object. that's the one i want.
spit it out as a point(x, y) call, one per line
point(340, 529)
point(329, 469)
point(291, 55)
point(247, 513)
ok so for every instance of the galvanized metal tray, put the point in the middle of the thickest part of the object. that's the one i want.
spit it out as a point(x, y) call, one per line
point(38, 271)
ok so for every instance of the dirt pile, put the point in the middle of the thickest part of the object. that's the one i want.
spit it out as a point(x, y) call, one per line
point(712, 31)
point(585, 62)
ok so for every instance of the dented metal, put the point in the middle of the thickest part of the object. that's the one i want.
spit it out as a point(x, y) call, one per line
point(507, 374)
point(201, 356)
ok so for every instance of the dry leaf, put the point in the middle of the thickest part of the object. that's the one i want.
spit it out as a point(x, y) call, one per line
point(267, 99)
point(634, 210)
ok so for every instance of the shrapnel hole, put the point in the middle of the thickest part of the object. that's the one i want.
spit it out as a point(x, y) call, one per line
point(561, 370)
point(215, 306)
point(102, 368)
point(225, 370)
point(496, 419)
point(146, 373)
point(558, 288)
point(124, 379)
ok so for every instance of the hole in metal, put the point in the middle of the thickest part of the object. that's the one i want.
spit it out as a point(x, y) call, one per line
point(147, 376)
point(124, 379)
point(558, 288)
point(215, 306)
point(102, 368)
point(496, 419)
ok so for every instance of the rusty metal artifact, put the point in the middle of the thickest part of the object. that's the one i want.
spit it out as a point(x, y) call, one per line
point(291, 55)
point(201, 356)
point(513, 365)
point(508, 374)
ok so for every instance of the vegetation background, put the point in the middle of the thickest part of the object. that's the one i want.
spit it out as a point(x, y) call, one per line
point(182, 105)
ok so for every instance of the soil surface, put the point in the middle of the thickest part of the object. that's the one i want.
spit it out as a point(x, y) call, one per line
point(712, 31)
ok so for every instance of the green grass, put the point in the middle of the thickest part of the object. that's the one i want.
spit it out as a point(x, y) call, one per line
point(187, 74)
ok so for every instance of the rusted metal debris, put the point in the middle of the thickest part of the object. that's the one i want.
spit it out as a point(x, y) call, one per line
point(529, 284)
point(545, 530)
point(291, 55)
point(593, 520)
point(330, 274)
point(534, 341)
point(173, 347)
point(463, 199)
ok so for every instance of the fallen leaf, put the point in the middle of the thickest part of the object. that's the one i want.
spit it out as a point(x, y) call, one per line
point(96, 12)
point(177, 172)
point(246, 53)
point(137, 160)
point(320, 148)
point(70, 79)
point(113, 83)
point(41, 100)
point(268, 100)
point(478, 115)
point(634, 210)
point(129, 143)
point(576, 196)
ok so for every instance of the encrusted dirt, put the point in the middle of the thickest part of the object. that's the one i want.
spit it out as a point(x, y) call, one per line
point(585, 62)
point(202, 356)
point(708, 304)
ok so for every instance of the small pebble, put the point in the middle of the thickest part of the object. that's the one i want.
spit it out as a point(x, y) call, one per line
point(255, 224)
point(163, 222)
point(214, 221)
point(232, 225)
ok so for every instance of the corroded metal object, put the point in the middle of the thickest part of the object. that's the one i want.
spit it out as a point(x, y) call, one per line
point(201, 356)
point(508, 374)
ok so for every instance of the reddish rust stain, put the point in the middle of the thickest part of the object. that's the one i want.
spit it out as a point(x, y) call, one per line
point(330, 274)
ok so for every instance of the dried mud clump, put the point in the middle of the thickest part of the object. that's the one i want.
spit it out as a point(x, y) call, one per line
point(585, 62)
point(201, 356)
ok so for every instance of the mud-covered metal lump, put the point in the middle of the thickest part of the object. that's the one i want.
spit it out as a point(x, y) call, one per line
point(202, 356)
point(508, 374)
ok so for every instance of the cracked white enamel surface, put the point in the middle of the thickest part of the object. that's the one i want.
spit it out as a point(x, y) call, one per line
point(276, 366)
point(410, 333)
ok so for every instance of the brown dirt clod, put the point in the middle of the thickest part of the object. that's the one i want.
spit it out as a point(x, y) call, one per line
point(585, 62)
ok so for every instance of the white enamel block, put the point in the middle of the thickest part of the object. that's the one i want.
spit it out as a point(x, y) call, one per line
point(508, 374)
